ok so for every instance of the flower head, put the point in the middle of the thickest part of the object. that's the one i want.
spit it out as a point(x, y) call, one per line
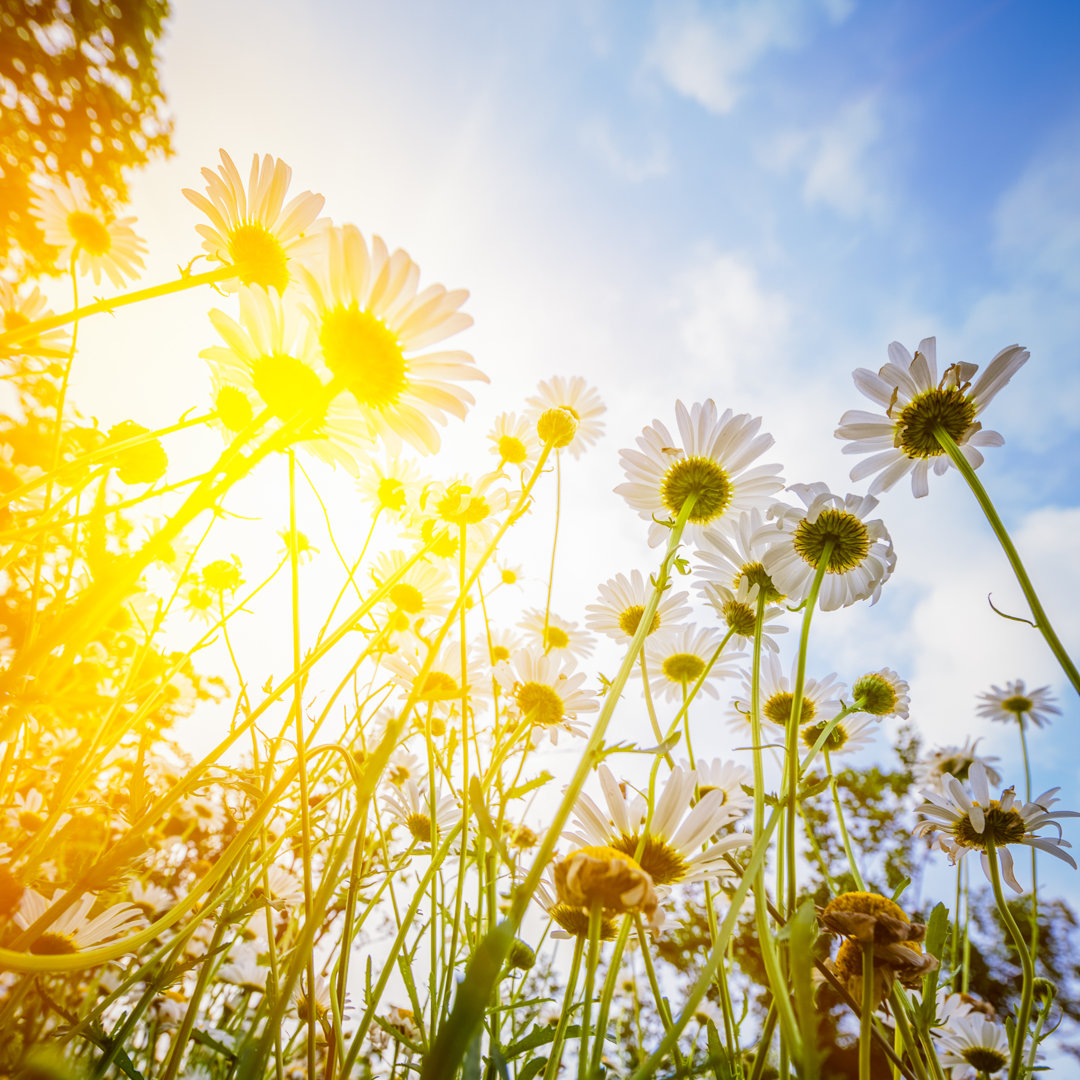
point(96, 241)
point(513, 440)
point(916, 403)
point(710, 461)
point(556, 635)
point(680, 655)
point(973, 1046)
point(573, 396)
point(74, 930)
point(607, 878)
point(860, 552)
point(820, 702)
point(952, 761)
point(1016, 704)
point(252, 229)
point(972, 821)
point(622, 603)
point(547, 692)
point(372, 325)
point(882, 693)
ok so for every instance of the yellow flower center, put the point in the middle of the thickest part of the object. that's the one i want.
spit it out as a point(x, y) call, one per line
point(984, 1059)
point(837, 737)
point(740, 618)
point(460, 507)
point(683, 667)
point(1002, 826)
point(438, 686)
point(419, 826)
point(1018, 705)
point(876, 695)
point(555, 638)
point(850, 540)
point(89, 233)
point(258, 257)
point(630, 619)
point(947, 407)
point(756, 574)
point(539, 703)
point(701, 477)
point(391, 494)
point(512, 450)
point(865, 903)
point(360, 349)
point(233, 408)
point(663, 863)
point(53, 944)
point(778, 709)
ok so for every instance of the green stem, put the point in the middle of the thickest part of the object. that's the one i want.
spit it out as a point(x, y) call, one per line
point(663, 1008)
point(1028, 968)
point(607, 994)
point(596, 917)
point(1034, 869)
point(843, 827)
point(551, 1070)
point(866, 1009)
point(1042, 623)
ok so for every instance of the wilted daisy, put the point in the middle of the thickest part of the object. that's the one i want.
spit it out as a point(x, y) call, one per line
point(252, 229)
point(571, 919)
point(98, 242)
point(882, 693)
point(272, 355)
point(711, 460)
point(1016, 704)
point(973, 1046)
point(513, 440)
point(556, 635)
point(372, 325)
point(915, 403)
point(861, 558)
point(967, 821)
point(622, 603)
point(820, 702)
point(604, 877)
point(952, 761)
point(673, 842)
point(74, 930)
point(678, 656)
point(573, 396)
point(410, 803)
point(546, 690)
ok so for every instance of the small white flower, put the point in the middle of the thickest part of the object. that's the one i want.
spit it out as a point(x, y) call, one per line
point(1017, 705)
point(556, 636)
point(973, 1046)
point(953, 761)
point(677, 657)
point(580, 400)
point(622, 603)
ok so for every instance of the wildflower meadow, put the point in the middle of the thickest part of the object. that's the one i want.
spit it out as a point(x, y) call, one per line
point(348, 789)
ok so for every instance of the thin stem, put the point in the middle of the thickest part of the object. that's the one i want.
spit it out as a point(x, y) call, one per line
point(1042, 623)
point(1034, 870)
point(842, 826)
point(607, 994)
point(1028, 968)
point(553, 1062)
point(596, 917)
point(866, 1012)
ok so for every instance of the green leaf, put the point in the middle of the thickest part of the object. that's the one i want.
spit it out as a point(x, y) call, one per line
point(531, 785)
point(541, 1035)
point(937, 931)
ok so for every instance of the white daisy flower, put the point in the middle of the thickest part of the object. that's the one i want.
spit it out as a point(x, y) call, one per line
point(676, 835)
point(372, 326)
point(915, 402)
point(1016, 704)
point(272, 355)
point(422, 591)
point(852, 734)
point(513, 440)
point(728, 777)
point(861, 559)
point(556, 635)
point(74, 930)
point(821, 698)
point(622, 603)
point(546, 690)
point(410, 803)
point(732, 556)
point(443, 680)
point(711, 460)
point(18, 309)
point(99, 243)
point(581, 401)
point(253, 230)
point(391, 483)
point(966, 821)
point(882, 694)
point(243, 969)
point(952, 761)
point(496, 646)
point(677, 657)
point(738, 611)
point(973, 1047)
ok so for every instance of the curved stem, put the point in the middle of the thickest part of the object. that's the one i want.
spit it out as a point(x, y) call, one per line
point(1042, 623)
point(1028, 968)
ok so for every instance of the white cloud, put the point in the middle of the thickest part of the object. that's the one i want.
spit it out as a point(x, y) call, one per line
point(834, 159)
point(596, 136)
point(705, 54)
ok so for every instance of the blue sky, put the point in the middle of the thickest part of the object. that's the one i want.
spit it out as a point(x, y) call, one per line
point(743, 201)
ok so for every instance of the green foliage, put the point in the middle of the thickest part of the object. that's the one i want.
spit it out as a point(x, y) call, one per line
point(87, 103)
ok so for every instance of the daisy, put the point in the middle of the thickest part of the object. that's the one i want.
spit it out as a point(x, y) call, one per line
point(882, 694)
point(952, 761)
point(968, 823)
point(96, 242)
point(738, 610)
point(19, 309)
point(731, 779)
point(973, 1046)
point(573, 396)
point(852, 734)
point(253, 231)
point(73, 930)
point(710, 460)
point(572, 920)
point(443, 679)
point(243, 969)
point(372, 324)
point(672, 841)
point(732, 556)
point(1016, 704)
point(497, 645)
point(422, 591)
point(821, 697)
point(861, 559)
point(410, 803)
point(513, 440)
point(556, 635)
point(463, 503)
point(271, 356)
point(915, 403)
point(677, 658)
point(546, 690)
point(622, 603)
point(391, 483)
point(610, 879)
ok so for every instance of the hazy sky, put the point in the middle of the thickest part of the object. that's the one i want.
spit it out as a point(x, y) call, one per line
point(681, 200)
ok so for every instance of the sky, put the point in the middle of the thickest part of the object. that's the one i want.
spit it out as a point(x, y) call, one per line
point(679, 200)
